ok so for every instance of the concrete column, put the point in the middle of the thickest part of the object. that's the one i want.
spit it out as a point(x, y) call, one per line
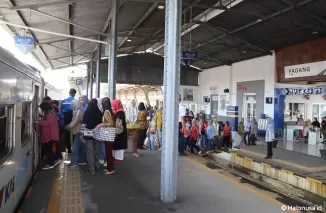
point(169, 160)
point(87, 81)
point(91, 77)
point(113, 50)
point(98, 56)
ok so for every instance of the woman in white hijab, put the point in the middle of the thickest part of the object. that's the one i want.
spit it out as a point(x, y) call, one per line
point(78, 155)
point(270, 137)
point(132, 125)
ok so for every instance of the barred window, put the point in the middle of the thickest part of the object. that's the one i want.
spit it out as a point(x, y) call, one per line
point(6, 131)
point(25, 123)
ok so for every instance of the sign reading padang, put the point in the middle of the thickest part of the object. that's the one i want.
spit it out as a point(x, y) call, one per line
point(305, 70)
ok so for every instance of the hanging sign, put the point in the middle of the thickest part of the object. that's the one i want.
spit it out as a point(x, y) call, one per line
point(189, 56)
point(304, 91)
point(25, 44)
point(79, 81)
point(213, 90)
point(305, 70)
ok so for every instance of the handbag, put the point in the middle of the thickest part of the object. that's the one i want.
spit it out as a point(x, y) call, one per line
point(106, 134)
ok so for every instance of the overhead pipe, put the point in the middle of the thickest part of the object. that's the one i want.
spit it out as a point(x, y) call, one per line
point(52, 33)
point(69, 22)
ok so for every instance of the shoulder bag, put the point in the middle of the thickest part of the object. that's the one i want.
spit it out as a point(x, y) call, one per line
point(106, 134)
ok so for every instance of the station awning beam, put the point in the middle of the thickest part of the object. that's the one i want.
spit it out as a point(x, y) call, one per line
point(35, 6)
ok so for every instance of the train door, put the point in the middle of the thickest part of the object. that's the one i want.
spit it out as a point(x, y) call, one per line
point(35, 136)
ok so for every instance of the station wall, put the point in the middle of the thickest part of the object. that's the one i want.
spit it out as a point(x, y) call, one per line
point(226, 77)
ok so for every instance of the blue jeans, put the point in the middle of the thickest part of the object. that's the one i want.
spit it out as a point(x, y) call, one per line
point(152, 142)
point(203, 141)
point(209, 145)
point(187, 142)
point(102, 151)
point(78, 154)
point(160, 139)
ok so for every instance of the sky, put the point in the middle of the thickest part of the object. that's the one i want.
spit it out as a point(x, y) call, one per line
point(58, 78)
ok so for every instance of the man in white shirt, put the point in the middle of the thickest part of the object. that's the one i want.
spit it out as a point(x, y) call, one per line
point(181, 140)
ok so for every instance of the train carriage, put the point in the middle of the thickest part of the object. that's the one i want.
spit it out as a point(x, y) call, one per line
point(21, 89)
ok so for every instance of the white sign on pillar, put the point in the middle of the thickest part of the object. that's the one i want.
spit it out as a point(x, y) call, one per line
point(305, 70)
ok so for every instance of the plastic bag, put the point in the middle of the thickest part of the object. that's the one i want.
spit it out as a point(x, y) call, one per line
point(146, 141)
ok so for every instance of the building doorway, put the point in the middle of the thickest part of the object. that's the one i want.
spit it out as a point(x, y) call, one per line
point(214, 105)
point(249, 107)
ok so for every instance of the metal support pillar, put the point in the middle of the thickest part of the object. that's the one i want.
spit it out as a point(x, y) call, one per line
point(113, 50)
point(91, 77)
point(171, 100)
point(98, 56)
point(87, 83)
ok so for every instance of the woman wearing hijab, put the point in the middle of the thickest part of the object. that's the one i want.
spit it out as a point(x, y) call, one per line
point(142, 121)
point(132, 125)
point(49, 135)
point(108, 121)
point(253, 132)
point(59, 146)
point(92, 118)
point(121, 139)
point(83, 100)
point(269, 137)
point(102, 145)
point(78, 154)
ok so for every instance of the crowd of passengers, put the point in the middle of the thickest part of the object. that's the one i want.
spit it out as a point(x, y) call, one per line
point(142, 124)
point(80, 118)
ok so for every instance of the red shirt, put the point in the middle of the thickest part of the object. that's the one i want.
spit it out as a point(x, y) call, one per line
point(194, 133)
point(49, 128)
point(227, 130)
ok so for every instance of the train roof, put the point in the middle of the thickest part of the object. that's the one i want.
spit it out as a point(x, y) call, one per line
point(9, 59)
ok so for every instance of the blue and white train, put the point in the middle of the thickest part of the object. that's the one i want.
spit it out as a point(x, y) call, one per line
point(21, 89)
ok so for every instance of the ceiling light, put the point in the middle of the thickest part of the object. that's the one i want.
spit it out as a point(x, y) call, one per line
point(315, 32)
point(129, 40)
point(161, 7)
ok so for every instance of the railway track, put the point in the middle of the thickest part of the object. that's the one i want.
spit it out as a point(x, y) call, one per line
point(288, 200)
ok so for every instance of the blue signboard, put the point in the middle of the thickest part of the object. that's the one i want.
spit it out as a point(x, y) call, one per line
point(79, 82)
point(232, 113)
point(25, 43)
point(304, 91)
point(189, 56)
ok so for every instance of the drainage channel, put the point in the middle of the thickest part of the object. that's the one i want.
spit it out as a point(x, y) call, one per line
point(287, 200)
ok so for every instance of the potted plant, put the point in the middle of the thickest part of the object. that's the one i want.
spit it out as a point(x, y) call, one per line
point(323, 150)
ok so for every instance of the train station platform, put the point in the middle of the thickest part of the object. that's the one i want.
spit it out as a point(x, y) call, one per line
point(135, 187)
point(296, 162)
point(296, 174)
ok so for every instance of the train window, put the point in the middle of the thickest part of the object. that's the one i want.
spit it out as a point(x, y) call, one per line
point(25, 123)
point(6, 131)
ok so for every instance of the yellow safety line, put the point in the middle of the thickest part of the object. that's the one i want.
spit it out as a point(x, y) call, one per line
point(55, 198)
point(28, 192)
point(230, 180)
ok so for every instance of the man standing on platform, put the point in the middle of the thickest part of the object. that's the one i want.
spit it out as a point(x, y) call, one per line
point(66, 108)
point(182, 123)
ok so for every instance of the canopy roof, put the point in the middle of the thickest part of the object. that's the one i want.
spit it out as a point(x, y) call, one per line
point(222, 31)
